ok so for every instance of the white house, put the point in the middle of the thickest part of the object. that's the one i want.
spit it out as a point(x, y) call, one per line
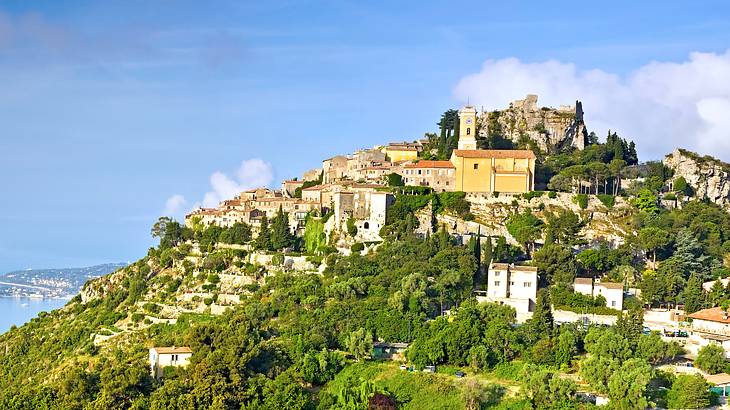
point(512, 285)
point(611, 291)
point(161, 357)
point(709, 326)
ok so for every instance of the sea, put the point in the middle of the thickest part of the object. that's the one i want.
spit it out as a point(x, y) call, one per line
point(17, 311)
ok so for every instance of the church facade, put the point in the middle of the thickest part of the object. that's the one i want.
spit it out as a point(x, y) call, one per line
point(476, 170)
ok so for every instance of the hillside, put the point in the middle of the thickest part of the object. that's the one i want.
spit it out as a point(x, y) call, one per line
point(296, 307)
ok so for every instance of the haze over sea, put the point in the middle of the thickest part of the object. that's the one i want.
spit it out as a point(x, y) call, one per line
point(17, 311)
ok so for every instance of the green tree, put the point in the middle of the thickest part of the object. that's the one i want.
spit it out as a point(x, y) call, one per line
point(545, 389)
point(652, 239)
point(694, 295)
point(281, 236)
point(263, 239)
point(627, 385)
point(395, 180)
point(556, 263)
point(711, 358)
point(360, 344)
point(597, 370)
point(526, 228)
point(646, 201)
point(689, 392)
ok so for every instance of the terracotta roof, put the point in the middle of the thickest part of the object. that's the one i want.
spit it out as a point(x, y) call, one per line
point(713, 315)
point(495, 153)
point(294, 181)
point(500, 266)
point(316, 187)
point(718, 379)
point(171, 350)
point(400, 148)
point(610, 285)
point(583, 281)
point(430, 164)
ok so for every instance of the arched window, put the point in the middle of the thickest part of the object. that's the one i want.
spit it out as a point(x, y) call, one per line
point(468, 131)
point(366, 225)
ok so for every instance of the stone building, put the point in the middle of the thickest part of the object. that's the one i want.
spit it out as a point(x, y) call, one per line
point(439, 175)
point(334, 169)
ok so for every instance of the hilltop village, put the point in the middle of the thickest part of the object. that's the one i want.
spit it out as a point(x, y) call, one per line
point(354, 186)
point(510, 260)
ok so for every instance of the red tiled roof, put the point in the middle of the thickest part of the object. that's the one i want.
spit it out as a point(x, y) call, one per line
point(495, 153)
point(430, 164)
point(713, 315)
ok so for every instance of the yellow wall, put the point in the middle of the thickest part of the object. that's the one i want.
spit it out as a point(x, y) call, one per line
point(468, 179)
point(511, 183)
point(401, 155)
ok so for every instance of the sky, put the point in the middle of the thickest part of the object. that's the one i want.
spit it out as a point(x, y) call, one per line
point(113, 113)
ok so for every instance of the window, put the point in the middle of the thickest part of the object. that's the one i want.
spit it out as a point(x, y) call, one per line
point(527, 284)
point(366, 225)
point(476, 166)
point(419, 172)
point(496, 273)
point(613, 303)
point(496, 283)
point(511, 283)
point(468, 131)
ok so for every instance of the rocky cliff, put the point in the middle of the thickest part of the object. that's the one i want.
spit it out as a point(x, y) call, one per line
point(549, 128)
point(708, 176)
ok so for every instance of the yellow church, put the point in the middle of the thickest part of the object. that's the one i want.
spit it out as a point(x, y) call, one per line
point(477, 170)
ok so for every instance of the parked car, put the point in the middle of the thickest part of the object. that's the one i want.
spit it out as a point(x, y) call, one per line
point(429, 369)
point(459, 374)
point(646, 330)
point(403, 367)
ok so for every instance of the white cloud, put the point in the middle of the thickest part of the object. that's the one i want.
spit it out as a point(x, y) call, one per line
point(174, 205)
point(252, 173)
point(661, 105)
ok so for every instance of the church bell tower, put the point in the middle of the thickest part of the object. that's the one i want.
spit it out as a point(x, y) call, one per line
point(467, 127)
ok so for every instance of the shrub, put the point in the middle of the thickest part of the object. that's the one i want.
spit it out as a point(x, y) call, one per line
point(277, 260)
point(533, 194)
point(581, 200)
point(670, 196)
point(357, 247)
point(495, 194)
point(208, 301)
point(351, 227)
point(552, 194)
point(137, 317)
point(607, 200)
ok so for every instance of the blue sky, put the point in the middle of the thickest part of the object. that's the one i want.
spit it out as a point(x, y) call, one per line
point(110, 108)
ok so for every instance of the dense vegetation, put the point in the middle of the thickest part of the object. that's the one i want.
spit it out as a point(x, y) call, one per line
point(303, 340)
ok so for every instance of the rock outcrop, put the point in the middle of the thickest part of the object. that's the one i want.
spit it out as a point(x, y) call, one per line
point(549, 128)
point(708, 176)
